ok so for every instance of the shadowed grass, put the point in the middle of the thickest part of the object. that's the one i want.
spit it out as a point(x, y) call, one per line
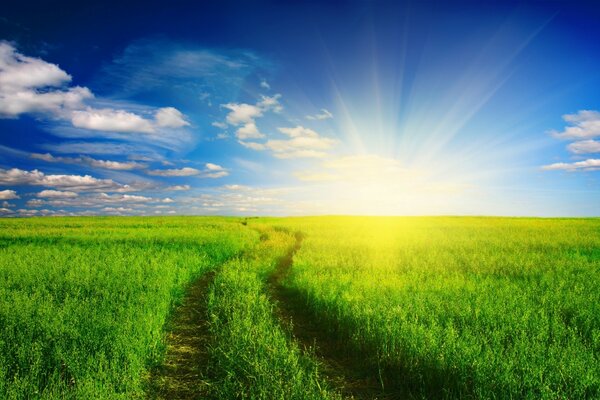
point(343, 369)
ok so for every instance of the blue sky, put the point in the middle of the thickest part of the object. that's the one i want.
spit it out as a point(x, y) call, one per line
point(274, 108)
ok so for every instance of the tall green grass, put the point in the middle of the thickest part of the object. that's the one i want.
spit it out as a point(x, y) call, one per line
point(83, 301)
point(460, 307)
point(436, 307)
point(252, 356)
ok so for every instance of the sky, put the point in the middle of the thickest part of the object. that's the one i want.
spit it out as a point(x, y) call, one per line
point(300, 108)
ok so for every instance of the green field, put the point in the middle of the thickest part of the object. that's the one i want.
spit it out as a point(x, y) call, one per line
point(299, 308)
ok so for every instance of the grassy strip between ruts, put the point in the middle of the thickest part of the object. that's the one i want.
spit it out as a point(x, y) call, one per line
point(252, 356)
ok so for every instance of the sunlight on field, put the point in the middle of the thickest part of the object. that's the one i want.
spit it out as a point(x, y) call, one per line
point(364, 307)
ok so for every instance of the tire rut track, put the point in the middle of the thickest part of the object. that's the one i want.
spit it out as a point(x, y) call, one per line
point(182, 374)
point(344, 371)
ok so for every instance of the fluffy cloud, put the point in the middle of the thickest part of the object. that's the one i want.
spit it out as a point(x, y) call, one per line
point(98, 203)
point(242, 113)
point(303, 142)
point(19, 71)
point(111, 120)
point(186, 171)
point(246, 114)
point(77, 183)
point(35, 203)
point(56, 194)
point(125, 198)
point(8, 195)
point(584, 125)
point(92, 162)
point(270, 103)
point(587, 165)
point(252, 145)
point(178, 188)
point(213, 171)
point(117, 210)
point(584, 147)
point(324, 114)
point(238, 199)
point(169, 117)
point(249, 131)
point(32, 85)
point(210, 171)
point(57, 103)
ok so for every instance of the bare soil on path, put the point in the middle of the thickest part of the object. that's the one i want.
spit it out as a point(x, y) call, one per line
point(181, 377)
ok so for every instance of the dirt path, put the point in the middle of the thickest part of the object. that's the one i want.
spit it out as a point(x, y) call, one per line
point(181, 375)
point(342, 368)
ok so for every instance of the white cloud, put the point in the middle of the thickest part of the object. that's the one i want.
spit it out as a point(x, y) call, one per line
point(169, 117)
point(210, 171)
point(237, 199)
point(57, 103)
point(35, 203)
point(92, 162)
point(242, 113)
point(117, 210)
point(213, 167)
point(56, 194)
point(125, 198)
point(270, 103)
point(20, 71)
point(298, 131)
point(584, 125)
point(110, 120)
point(178, 188)
point(252, 145)
point(114, 165)
point(304, 143)
point(246, 114)
point(35, 177)
point(324, 114)
point(213, 171)
point(265, 85)
point(249, 131)
point(584, 147)
point(587, 165)
point(186, 171)
point(105, 148)
point(8, 195)
point(32, 85)
point(100, 200)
